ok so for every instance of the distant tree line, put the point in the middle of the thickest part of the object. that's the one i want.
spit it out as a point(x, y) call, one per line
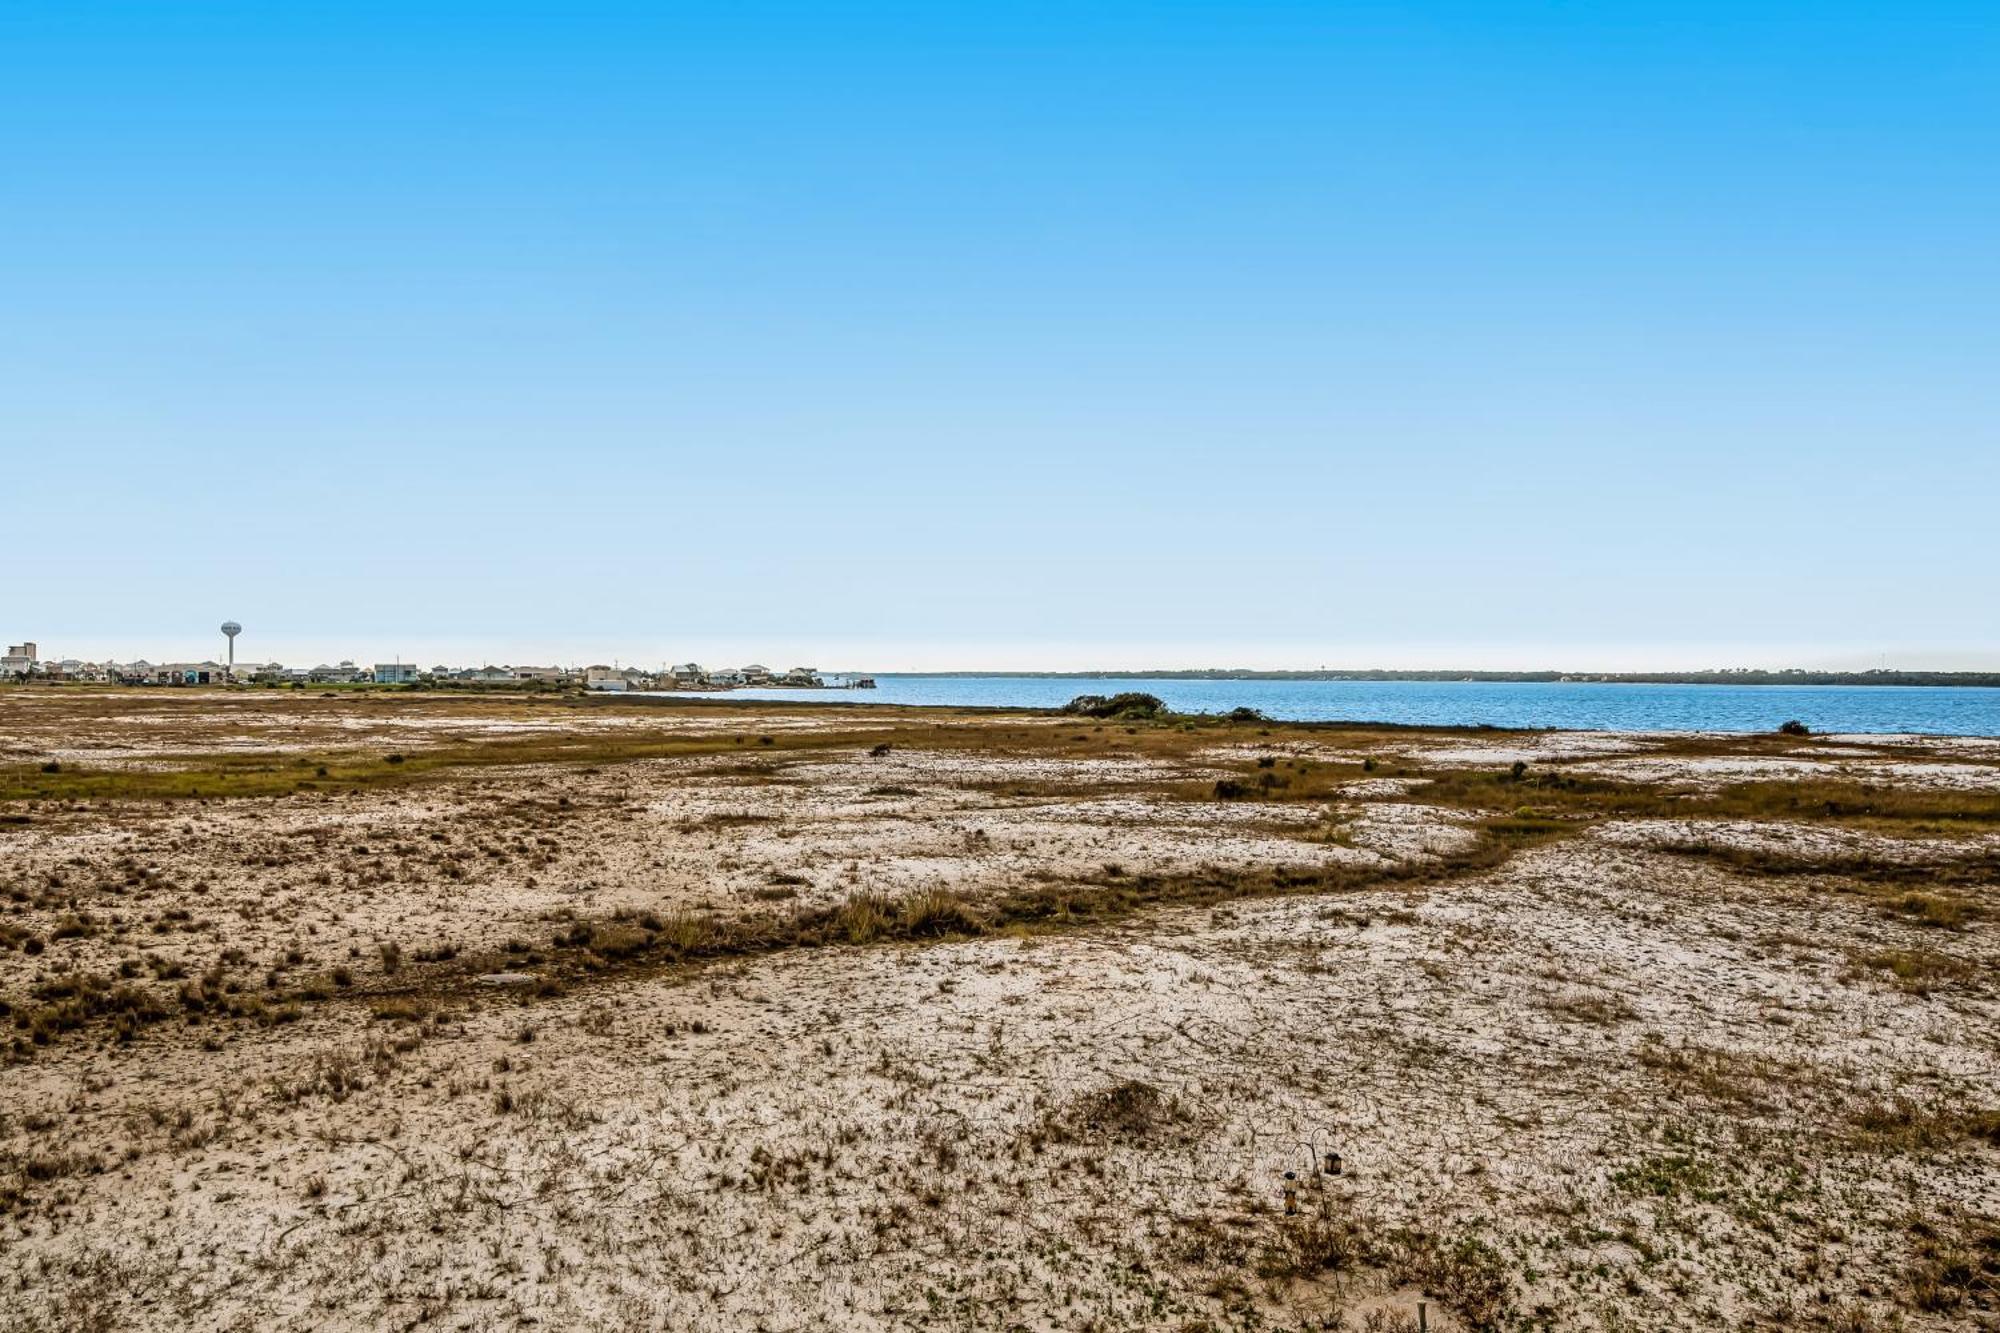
point(1989, 679)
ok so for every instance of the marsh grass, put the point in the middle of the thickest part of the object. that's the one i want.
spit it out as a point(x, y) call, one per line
point(1980, 868)
point(867, 729)
point(1517, 807)
point(627, 941)
point(1112, 895)
point(1544, 791)
point(1916, 971)
point(1776, 1101)
point(217, 776)
point(1956, 1268)
point(1458, 1270)
point(1887, 879)
point(1905, 1125)
point(1554, 794)
point(1131, 1111)
point(1853, 803)
point(1743, 1084)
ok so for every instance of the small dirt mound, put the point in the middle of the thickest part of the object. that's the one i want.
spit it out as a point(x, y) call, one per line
point(1127, 1112)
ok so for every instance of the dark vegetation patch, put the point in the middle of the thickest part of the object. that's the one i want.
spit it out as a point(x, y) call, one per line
point(1130, 706)
point(1956, 1265)
point(1111, 896)
point(1905, 1125)
point(23, 1171)
point(1981, 869)
point(1668, 1176)
point(727, 820)
point(1918, 972)
point(1460, 1271)
point(1889, 880)
point(1743, 1084)
point(69, 1000)
point(1128, 1112)
point(205, 776)
point(1555, 792)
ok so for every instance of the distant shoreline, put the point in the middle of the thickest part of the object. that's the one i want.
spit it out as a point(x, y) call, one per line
point(1974, 679)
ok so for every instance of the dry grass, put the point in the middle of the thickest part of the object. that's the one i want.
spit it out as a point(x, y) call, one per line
point(1918, 971)
point(1328, 1240)
point(1051, 1079)
point(1946, 901)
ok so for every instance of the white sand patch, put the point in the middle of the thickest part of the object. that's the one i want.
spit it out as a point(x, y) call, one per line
point(1658, 1094)
point(1490, 1062)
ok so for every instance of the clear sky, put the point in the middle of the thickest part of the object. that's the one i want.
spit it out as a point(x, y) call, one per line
point(1013, 335)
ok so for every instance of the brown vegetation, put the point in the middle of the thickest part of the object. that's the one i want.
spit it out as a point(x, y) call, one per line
point(608, 1014)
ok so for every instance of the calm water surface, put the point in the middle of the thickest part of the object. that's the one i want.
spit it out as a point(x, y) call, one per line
point(1837, 708)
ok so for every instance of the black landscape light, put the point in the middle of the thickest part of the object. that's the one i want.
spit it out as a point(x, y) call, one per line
point(1291, 1194)
point(1333, 1163)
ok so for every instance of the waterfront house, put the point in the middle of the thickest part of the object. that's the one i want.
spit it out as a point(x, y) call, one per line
point(604, 678)
point(71, 669)
point(188, 673)
point(342, 673)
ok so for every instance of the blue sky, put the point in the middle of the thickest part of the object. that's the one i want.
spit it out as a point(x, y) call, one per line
point(1030, 335)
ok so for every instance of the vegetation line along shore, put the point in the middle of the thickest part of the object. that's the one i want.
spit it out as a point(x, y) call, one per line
point(1509, 809)
point(1742, 676)
point(1016, 957)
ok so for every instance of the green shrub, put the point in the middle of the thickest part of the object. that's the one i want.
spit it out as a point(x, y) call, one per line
point(1132, 704)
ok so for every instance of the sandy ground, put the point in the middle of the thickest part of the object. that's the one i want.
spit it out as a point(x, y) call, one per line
point(1599, 1085)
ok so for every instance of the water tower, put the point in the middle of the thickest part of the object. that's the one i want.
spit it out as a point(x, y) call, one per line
point(230, 630)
